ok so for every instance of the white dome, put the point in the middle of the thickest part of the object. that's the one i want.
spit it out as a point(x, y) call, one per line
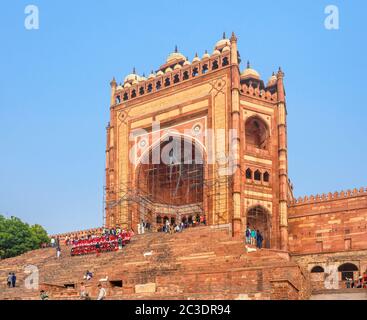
point(175, 56)
point(196, 59)
point(160, 73)
point(272, 80)
point(177, 67)
point(250, 73)
point(226, 48)
point(206, 55)
point(216, 52)
point(168, 70)
point(127, 85)
point(132, 77)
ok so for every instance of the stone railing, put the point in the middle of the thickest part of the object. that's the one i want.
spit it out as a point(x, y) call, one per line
point(330, 196)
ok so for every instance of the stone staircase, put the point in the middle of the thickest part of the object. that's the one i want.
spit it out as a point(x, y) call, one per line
point(199, 263)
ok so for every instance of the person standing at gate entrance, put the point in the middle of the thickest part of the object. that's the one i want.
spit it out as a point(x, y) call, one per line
point(253, 237)
point(248, 235)
point(139, 228)
point(142, 226)
point(259, 239)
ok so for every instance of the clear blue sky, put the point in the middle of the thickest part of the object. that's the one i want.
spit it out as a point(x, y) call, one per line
point(54, 90)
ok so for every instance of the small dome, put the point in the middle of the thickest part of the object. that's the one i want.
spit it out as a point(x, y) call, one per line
point(177, 67)
point(151, 76)
point(226, 48)
point(127, 85)
point(142, 78)
point(250, 73)
point(168, 70)
point(160, 73)
point(223, 42)
point(119, 87)
point(135, 81)
point(272, 80)
point(175, 56)
point(206, 55)
point(187, 63)
point(196, 59)
point(131, 77)
point(216, 52)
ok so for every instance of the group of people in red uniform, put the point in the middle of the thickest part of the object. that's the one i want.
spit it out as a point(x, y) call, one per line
point(107, 242)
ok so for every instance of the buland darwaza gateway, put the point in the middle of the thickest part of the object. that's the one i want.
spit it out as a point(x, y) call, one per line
point(231, 124)
point(208, 139)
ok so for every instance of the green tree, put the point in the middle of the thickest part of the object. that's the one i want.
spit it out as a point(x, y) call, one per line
point(17, 237)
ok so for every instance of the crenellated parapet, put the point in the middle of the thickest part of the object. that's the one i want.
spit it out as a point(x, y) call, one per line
point(78, 234)
point(330, 196)
point(254, 90)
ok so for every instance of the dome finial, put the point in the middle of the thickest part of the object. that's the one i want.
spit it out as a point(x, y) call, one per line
point(248, 64)
point(196, 55)
point(224, 35)
point(233, 37)
point(134, 70)
point(176, 49)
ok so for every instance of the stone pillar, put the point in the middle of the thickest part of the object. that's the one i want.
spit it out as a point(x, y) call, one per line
point(235, 143)
point(283, 163)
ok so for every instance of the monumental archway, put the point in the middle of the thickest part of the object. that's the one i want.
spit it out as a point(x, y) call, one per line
point(170, 181)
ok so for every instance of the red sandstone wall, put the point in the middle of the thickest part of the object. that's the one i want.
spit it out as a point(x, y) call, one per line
point(331, 223)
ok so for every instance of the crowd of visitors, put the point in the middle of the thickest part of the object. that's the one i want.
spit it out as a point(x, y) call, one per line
point(254, 237)
point(169, 227)
point(109, 240)
point(11, 280)
point(361, 283)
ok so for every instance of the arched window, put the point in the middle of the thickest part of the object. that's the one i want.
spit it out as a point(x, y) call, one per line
point(158, 85)
point(159, 219)
point(317, 269)
point(248, 174)
point(150, 87)
point(126, 97)
point(257, 175)
point(205, 68)
point(257, 133)
point(347, 270)
point(133, 94)
point(225, 62)
point(266, 177)
point(185, 75)
point(118, 99)
point(176, 79)
point(141, 91)
point(167, 82)
point(195, 72)
point(215, 65)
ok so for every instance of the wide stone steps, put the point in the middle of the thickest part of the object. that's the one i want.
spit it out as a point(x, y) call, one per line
point(199, 263)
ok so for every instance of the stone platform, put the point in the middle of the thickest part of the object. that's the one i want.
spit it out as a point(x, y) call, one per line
point(200, 263)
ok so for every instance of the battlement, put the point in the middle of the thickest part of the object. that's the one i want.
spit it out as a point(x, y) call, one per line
point(77, 234)
point(329, 197)
point(254, 90)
